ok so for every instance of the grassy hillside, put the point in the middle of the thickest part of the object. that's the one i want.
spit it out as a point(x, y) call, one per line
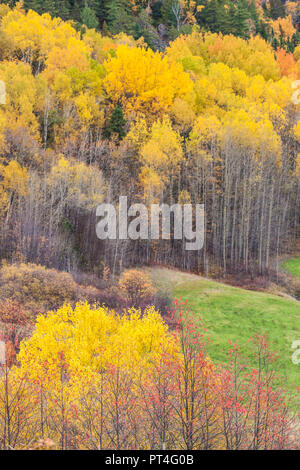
point(292, 266)
point(231, 313)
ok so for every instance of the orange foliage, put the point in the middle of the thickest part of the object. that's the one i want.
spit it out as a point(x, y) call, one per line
point(286, 63)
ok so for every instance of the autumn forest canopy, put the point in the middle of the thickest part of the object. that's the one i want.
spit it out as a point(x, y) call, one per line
point(89, 117)
point(159, 21)
point(165, 102)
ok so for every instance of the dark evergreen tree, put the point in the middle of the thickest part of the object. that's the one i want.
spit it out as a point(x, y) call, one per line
point(275, 43)
point(254, 15)
point(167, 12)
point(98, 6)
point(116, 125)
point(209, 15)
point(105, 30)
point(119, 17)
point(89, 18)
point(137, 31)
point(223, 19)
point(240, 18)
point(263, 31)
point(157, 13)
point(61, 8)
point(276, 9)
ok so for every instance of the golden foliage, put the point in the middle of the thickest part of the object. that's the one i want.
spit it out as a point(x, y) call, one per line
point(144, 81)
point(91, 339)
point(137, 286)
point(39, 289)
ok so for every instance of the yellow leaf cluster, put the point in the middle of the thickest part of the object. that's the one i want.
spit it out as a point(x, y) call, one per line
point(143, 81)
point(80, 184)
point(93, 338)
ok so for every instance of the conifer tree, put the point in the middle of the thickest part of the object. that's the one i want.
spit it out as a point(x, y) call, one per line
point(276, 9)
point(116, 124)
point(54, 7)
point(168, 13)
point(240, 26)
point(223, 19)
point(118, 16)
point(157, 12)
point(209, 15)
point(89, 18)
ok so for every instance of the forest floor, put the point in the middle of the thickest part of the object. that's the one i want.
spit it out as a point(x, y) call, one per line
point(232, 313)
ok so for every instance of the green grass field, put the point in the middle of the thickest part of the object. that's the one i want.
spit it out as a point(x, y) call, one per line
point(292, 266)
point(231, 313)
